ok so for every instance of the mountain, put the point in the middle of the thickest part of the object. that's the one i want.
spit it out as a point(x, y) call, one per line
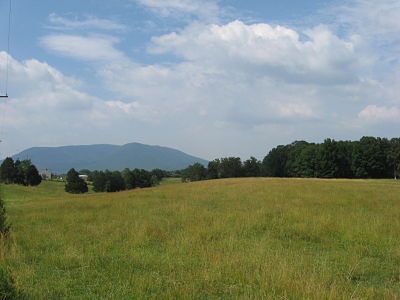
point(111, 157)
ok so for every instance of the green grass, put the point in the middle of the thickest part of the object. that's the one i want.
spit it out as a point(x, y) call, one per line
point(236, 238)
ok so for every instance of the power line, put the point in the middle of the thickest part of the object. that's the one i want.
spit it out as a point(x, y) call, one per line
point(8, 48)
point(8, 51)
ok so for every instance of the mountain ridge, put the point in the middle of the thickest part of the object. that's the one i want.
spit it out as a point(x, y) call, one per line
point(108, 156)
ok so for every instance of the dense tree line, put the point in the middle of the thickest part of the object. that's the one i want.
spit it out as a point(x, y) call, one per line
point(113, 181)
point(369, 157)
point(19, 172)
point(228, 167)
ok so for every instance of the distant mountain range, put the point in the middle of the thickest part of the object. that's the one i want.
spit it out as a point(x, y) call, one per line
point(111, 157)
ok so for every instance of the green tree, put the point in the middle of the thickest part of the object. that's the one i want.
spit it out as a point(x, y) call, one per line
point(274, 164)
point(306, 163)
point(334, 159)
point(75, 184)
point(32, 176)
point(114, 182)
point(213, 167)
point(99, 181)
point(129, 179)
point(230, 167)
point(8, 171)
point(369, 159)
point(394, 157)
point(20, 172)
point(142, 178)
point(194, 172)
point(293, 153)
point(252, 167)
point(160, 174)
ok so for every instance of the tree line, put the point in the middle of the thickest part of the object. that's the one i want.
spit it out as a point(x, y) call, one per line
point(112, 181)
point(19, 172)
point(369, 157)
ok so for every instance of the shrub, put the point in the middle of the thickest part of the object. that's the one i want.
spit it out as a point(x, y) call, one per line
point(4, 227)
point(32, 176)
point(75, 184)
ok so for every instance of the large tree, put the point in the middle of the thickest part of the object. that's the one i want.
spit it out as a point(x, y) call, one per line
point(194, 172)
point(394, 157)
point(252, 167)
point(370, 158)
point(230, 167)
point(274, 164)
point(213, 167)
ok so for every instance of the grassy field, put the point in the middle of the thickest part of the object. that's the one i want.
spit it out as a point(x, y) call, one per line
point(237, 238)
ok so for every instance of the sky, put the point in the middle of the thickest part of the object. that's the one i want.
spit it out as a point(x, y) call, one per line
point(211, 78)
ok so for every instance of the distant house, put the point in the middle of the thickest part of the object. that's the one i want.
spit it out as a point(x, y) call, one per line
point(84, 177)
point(46, 174)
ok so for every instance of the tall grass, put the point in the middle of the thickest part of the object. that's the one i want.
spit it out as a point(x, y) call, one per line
point(236, 238)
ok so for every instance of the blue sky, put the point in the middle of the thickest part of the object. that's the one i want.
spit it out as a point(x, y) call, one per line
point(212, 78)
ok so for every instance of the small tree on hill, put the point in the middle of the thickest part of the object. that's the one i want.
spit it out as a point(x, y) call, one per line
point(8, 171)
point(75, 184)
point(32, 176)
point(19, 172)
point(194, 172)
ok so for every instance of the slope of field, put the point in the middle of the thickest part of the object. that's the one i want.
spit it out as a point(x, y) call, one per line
point(236, 238)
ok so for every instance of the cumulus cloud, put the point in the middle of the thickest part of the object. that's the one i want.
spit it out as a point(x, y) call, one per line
point(89, 48)
point(48, 108)
point(233, 82)
point(88, 22)
point(276, 51)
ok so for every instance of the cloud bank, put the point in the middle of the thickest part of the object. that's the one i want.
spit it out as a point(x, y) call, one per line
point(226, 88)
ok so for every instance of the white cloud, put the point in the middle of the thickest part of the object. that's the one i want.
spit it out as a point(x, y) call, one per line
point(275, 51)
point(378, 24)
point(88, 22)
point(235, 89)
point(371, 16)
point(202, 9)
point(374, 113)
point(48, 108)
point(296, 110)
point(90, 48)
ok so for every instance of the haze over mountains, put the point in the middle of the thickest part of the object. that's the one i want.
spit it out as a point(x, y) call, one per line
point(111, 157)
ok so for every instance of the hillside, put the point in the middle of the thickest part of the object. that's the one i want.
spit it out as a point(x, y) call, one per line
point(112, 157)
point(231, 239)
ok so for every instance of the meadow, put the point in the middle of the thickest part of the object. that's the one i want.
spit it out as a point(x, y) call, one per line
point(234, 238)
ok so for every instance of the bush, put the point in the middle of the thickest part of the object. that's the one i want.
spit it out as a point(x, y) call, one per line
point(32, 176)
point(4, 227)
point(8, 290)
point(75, 184)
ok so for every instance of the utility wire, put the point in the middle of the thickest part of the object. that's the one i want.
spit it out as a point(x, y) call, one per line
point(8, 48)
